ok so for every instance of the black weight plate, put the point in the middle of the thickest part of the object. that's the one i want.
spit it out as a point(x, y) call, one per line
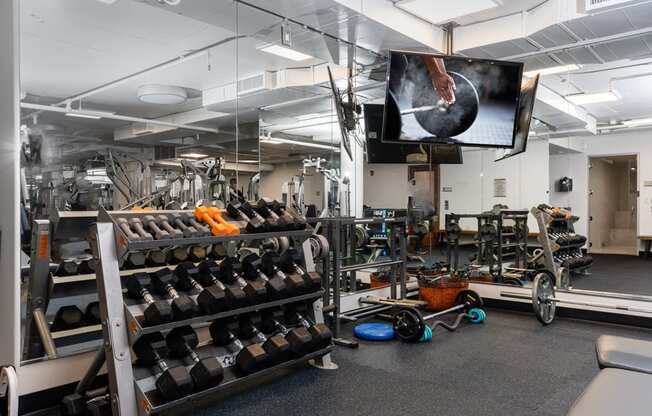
point(469, 297)
point(543, 291)
point(408, 325)
point(446, 120)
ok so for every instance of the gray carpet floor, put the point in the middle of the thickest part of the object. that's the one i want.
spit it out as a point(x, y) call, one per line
point(616, 273)
point(510, 365)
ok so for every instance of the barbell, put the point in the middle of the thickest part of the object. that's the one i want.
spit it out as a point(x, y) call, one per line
point(544, 300)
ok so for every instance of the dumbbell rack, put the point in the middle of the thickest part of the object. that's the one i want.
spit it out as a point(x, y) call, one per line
point(132, 387)
point(550, 246)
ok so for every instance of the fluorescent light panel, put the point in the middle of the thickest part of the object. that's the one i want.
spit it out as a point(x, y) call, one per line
point(276, 140)
point(638, 122)
point(82, 115)
point(444, 11)
point(552, 70)
point(285, 52)
point(600, 97)
point(192, 155)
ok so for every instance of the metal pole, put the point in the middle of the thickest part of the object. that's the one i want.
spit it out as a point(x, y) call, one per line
point(44, 333)
point(337, 264)
point(392, 253)
point(403, 266)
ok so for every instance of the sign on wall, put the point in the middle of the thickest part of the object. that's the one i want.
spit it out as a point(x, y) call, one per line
point(500, 188)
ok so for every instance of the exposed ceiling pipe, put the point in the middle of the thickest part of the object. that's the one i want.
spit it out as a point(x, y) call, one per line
point(361, 88)
point(109, 116)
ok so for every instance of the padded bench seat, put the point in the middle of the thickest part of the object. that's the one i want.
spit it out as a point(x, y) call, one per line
point(624, 353)
point(615, 392)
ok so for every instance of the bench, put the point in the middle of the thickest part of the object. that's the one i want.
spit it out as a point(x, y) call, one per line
point(615, 392)
point(624, 353)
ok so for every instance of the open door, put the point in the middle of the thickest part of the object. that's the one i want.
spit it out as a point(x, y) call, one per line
point(613, 193)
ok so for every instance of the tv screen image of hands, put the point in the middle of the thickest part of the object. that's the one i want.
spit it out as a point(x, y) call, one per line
point(452, 100)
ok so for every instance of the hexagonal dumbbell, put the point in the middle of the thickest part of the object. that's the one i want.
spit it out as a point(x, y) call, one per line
point(172, 382)
point(291, 261)
point(277, 348)
point(164, 222)
point(299, 339)
point(208, 276)
point(187, 230)
point(150, 223)
point(295, 314)
point(211, 299)
point(249, 359)
point(164, 280)
point(294, 282)
point(67, 317)
point(275, 284)
point(254, 224)
point(157, 312)
point(177, 255)
point(277, 223)
point(206, 372)
point(230, 269)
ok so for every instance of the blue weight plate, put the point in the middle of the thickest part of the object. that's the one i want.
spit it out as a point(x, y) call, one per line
point(374, 331)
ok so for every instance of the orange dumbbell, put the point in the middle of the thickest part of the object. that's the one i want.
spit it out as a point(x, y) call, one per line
point(216, 214)
point(202, 214)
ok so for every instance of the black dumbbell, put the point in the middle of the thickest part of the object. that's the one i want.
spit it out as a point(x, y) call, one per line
point(177, 255)
point(254, 225)
point(135, 260)
point(299, 339)
point(321, 335)
point(182, 306)
point(173, 382)
point(68, 267)
point(156, 258)
point(252, 212)
point(291, 261)
point(164, 222)
point(157, 311)
point(137, 225)
point(298, 222)
point(230, 269)
point(87, 266)
point(92, 313)
point(197, 253)
point(275, 285)
point(208, 276)
point(295, 284)
point(67, 317)
point(211, 299)
point(278, 349)
point(188, 231)
point(218, 251)
point(278, 223)
point(249, 359)
point(206, 372)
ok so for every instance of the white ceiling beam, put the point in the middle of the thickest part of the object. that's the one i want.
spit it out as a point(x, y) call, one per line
point(385, 13)
point(551, 98)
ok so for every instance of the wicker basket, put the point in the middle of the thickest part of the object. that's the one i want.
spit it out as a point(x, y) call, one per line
point(440, 294)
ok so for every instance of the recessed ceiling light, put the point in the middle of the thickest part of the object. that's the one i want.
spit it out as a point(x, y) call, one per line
point(638, 122)
point(276, 140)
point(162, 94)
point(192, 155)
point(600, 97)
point(248, 161)
point(285, 52)
point(552, 70)
point(83, 115)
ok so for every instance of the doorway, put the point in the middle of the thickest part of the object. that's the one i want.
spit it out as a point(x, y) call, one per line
point(613, 202)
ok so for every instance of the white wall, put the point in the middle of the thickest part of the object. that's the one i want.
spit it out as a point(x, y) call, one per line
point(573, 165)
point(472, 183)
point(638, 143)
point(9, 185)
point(271, 182)
point(386, 185)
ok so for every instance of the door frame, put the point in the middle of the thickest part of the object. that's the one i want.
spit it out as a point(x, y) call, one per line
point(637, 155)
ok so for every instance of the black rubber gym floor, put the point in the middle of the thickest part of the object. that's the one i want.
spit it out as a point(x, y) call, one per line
point(510, 365)
point(617, 273)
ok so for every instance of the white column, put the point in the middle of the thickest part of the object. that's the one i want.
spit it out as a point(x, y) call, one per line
point(9, 185)
point(353, 169)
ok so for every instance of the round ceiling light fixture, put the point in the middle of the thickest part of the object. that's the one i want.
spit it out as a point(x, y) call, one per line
point(162, 94)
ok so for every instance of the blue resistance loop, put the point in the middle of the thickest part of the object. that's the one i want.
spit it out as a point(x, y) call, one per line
point(374, 331)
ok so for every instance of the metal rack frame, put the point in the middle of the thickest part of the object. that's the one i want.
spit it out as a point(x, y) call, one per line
point(130, 386)
point(336, 274)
